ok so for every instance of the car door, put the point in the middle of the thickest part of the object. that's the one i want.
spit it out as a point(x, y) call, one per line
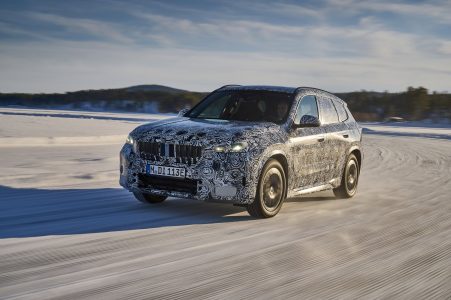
point(336, 134)
point(306, 145)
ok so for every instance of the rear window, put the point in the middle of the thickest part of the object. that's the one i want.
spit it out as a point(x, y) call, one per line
point(341, 110)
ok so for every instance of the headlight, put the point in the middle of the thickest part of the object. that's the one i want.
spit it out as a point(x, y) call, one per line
point(235, 147)
point(238, 147)
point(130, 140)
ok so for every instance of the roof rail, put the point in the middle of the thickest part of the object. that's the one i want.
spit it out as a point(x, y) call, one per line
point(228, 85)
point(308, 87)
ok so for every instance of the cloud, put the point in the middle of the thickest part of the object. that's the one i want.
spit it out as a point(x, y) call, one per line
point(437, 11)
point(298, 11)
point(444, 47)
point(369, 38)
point(93, 28)
point(71, 66)
point(365, 51)
point(13, 30)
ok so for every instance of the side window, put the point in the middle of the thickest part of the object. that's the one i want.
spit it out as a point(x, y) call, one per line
point(328, 111)
point(342, 114)
point(307, 107)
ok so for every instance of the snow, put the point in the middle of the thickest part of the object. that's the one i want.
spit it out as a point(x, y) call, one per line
point(68, 230)
point(65, 128)
point(410, 129)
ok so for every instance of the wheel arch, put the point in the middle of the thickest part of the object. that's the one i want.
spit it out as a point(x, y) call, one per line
point(282, 159)
point(358, 154)
point(258, 164)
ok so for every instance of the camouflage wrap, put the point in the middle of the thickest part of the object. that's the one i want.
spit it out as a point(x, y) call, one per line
point(306, 162)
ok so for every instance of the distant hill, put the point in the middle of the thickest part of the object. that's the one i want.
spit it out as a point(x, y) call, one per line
point(413, 104)
point(150, 98)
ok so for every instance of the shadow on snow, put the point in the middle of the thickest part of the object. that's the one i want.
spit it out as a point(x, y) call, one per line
point(29, 212)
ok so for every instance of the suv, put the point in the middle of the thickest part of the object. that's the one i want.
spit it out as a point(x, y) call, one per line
point(252, 146)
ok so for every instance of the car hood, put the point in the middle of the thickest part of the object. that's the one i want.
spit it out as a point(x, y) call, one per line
point(208, 132)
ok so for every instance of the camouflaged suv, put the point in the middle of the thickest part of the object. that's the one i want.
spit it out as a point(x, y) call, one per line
point(251, 146)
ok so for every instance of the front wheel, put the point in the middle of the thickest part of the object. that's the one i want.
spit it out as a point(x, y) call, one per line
point(350, 179)
point(271, 191)
point(149, 198)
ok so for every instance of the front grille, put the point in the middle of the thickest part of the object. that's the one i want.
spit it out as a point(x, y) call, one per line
point(183, 185)
point(156, 151)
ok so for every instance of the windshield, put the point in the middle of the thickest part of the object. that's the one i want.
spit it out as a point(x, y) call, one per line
point(244, 105)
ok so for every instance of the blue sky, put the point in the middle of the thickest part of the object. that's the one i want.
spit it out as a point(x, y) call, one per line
point(338, 45)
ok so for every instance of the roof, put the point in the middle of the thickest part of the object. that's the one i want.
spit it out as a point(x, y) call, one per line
point(272, 88)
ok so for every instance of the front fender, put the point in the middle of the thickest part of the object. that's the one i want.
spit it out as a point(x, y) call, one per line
point(256, 164)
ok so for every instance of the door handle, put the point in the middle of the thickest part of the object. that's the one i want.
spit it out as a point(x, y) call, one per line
point(345, 136)
point(321, 139)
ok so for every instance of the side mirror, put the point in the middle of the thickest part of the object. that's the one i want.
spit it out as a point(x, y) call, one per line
point(308, 121)
point(182, 112)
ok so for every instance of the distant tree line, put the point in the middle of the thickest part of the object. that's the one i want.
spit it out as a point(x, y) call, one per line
point(413, 104)
point(108, 99)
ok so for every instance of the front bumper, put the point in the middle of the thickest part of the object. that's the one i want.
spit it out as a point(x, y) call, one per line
point(215, 176)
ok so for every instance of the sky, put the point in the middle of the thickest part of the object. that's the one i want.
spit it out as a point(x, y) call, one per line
point(337, 45)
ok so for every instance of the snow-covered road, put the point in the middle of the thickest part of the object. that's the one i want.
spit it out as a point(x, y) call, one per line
point(67, 231)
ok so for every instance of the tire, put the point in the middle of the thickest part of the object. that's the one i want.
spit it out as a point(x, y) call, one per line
point(149, 198)
point(271, 191)
point(349, 179)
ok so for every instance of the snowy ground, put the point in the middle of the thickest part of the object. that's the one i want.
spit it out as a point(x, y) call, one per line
point(68, 231)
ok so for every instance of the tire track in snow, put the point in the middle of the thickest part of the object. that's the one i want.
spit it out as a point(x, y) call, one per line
point(391, 240)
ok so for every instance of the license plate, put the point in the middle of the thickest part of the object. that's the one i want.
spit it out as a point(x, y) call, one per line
point(165, 171)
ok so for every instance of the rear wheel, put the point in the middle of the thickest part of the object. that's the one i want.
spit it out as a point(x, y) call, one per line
point(350, 179)
point(148, 198)
point(270, 192)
